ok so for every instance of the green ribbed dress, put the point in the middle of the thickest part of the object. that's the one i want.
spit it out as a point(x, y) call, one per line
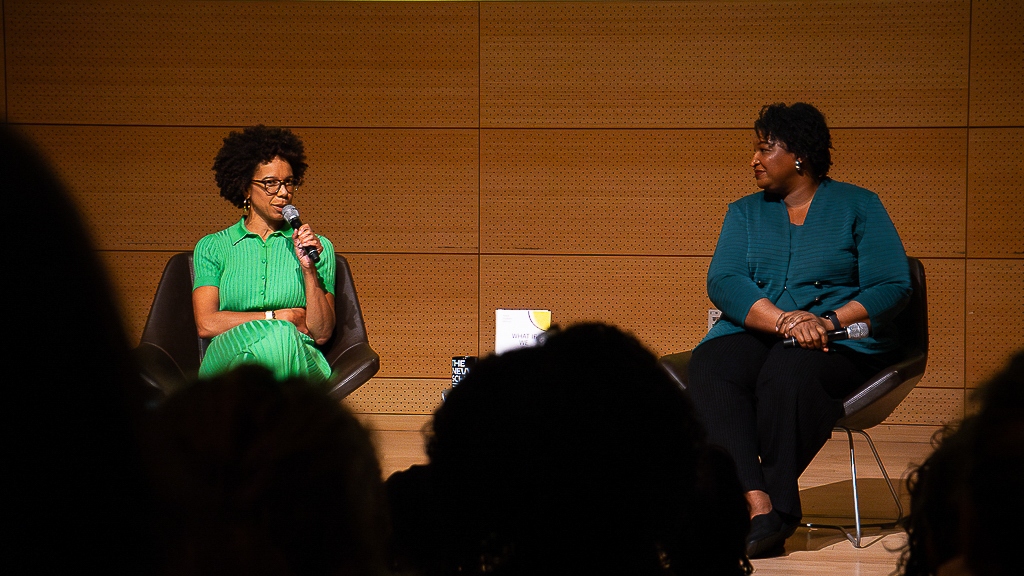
point(256, 275)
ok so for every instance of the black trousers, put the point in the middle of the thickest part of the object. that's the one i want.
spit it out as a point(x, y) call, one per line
point(772, 407)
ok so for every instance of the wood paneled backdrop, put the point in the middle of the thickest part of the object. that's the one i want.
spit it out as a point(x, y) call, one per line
point(579, 157)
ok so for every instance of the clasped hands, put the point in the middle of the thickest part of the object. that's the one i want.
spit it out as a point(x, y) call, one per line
point(296, 316)
point(810, 331)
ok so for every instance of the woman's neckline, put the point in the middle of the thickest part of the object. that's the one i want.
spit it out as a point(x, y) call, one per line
point(263, 235)
point(798, 214)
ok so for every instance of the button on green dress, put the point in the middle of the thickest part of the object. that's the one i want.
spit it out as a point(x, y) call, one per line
point(256, 275)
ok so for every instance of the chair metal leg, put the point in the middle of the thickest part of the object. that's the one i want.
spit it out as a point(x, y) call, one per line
point(856, 537)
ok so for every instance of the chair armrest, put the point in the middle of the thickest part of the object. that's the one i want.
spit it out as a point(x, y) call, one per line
point(351, 369)
point(873, 402)
point(677, 365)
point(158, 369)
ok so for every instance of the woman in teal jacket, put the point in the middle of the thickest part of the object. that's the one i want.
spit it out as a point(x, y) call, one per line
point(804, 256)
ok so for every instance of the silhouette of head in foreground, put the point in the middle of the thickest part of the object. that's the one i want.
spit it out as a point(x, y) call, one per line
point(76, 495)
point(259, 476)
point(965, 494)
point(579, 455)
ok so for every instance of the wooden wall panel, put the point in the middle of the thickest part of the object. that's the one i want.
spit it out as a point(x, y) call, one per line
point(152, 188)
point(614, 134)
point(135, 275)
point(713, 64)
point(610, 191)
point(238, 63)
point(995, 316)
point(995, 210)
point(3, 74)
point(419, 309)
point(997, 62)
point(140, 188)
point(377, 190)
point(920, 175)
point(662, 301)
point(929, 406)
point(945, 279)
point(398, 396)
point(665, 192)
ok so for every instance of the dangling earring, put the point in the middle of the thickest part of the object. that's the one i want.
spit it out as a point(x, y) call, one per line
point(799, 166)
point(245, 207)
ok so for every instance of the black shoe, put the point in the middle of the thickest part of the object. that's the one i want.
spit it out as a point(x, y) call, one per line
point(767, 536)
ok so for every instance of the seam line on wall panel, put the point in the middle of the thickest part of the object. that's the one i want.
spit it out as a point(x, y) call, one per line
point(479, 174)
point(479, 128)
point(7, 88)
point(596, 255)
point(407, 128)
point(524, 253)
point(967, 206)
point(702, 128)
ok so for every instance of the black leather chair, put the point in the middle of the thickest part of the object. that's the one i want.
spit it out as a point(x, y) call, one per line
point(874, 401)
point(170, 349)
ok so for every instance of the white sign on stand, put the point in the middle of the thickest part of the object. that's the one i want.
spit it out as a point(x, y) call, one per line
point(518, 328)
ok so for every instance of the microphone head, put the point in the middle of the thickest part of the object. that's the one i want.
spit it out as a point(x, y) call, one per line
point(858, 330)
point(290, 213)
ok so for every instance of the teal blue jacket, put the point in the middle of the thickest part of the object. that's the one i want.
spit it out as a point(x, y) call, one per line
point(847, 249)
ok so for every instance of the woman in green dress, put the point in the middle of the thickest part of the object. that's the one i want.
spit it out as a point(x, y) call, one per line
point(257, 293)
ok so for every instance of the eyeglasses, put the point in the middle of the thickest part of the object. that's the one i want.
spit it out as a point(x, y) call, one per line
point(272, 186)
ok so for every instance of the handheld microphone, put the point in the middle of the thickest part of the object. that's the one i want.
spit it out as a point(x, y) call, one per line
point(852, 332)
point(291, 214)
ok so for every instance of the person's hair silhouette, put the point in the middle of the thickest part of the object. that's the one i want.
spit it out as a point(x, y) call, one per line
point(579, 455)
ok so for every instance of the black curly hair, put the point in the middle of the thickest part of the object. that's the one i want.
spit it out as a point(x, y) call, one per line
point(937, 491)
point(802, 130)
point(964, 493)
point(261, 476)
point(244, 151)
point(579, 455)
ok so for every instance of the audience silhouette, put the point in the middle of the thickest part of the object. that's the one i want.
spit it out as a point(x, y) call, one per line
point(76, 496)
point(576, 456)
point(260, 476)
point(964, 497)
